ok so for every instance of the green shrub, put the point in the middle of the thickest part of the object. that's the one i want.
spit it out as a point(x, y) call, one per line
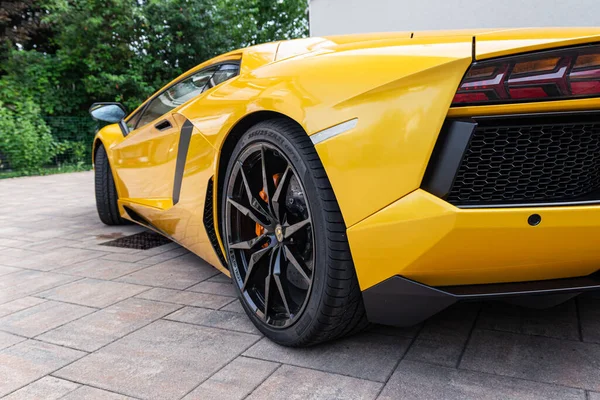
point(75, 136)
point(25, 139)
point(70, 153)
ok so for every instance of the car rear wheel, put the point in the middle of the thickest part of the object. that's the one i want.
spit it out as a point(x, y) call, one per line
point(106, 191)
point(286, 239)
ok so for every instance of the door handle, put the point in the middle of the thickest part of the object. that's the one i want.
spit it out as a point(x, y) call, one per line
point(164, 124)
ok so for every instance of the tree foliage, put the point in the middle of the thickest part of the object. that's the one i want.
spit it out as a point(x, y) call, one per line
point(25, 140)
point(124, 50)
point(21, 24)
point(59, 56)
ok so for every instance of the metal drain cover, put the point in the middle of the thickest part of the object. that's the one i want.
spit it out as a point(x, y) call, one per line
point(140, 241)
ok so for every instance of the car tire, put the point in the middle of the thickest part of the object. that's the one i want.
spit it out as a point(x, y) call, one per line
point(106, 191)
point(314, 259)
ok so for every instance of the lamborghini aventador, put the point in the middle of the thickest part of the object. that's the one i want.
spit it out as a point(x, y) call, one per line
point(372, 178)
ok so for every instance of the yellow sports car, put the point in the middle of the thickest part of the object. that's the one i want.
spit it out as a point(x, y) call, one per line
point(375, 177)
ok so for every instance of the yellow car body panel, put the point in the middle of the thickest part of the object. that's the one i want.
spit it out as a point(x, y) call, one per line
point(145, 162)
point(511, 41)
point(525, 108)
point(491, 43)
point(428, 240)
point(399, 88)
point(314, 93)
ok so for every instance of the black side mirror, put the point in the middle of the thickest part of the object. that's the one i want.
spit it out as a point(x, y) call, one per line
point(108, 112)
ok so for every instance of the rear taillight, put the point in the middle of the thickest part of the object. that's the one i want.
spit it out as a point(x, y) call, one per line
point(549, 75)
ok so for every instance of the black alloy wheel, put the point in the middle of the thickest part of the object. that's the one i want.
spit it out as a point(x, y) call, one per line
point(271, 235)
point(285, 239)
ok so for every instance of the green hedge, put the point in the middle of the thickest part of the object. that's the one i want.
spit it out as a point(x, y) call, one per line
point(33, 144)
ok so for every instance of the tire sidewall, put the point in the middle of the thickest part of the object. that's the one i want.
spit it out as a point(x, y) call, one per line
point(107, 198)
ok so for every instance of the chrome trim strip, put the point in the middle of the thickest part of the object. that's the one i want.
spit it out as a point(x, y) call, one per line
point(333, 131)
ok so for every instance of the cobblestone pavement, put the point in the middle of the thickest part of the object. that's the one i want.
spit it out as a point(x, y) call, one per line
point(83, 321)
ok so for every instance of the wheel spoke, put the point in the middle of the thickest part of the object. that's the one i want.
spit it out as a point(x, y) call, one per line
point(251, 199)
point(268, 286)
point(263, 162)
point(275, 200)
point(296, 264)
point(277, 278)
point(248, 213)
point(254, 258)
point(291, 229)
point(283, 298)
point(248, 244)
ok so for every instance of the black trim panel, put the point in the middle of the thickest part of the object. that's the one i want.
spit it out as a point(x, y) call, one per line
point(398, 301)
point(209, 223)
point(402, 302)
point(447, 156)
point(182, 151)
point(124, 128)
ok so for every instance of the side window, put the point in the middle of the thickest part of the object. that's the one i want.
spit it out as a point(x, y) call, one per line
point(132, 122)
point(187, 89)
point(227, 71)
point(176, 95)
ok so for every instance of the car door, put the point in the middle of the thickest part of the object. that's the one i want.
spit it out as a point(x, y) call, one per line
point(145, 162)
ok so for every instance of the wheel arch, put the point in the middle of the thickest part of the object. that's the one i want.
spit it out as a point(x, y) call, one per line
point(107, 136)
point(95, 147)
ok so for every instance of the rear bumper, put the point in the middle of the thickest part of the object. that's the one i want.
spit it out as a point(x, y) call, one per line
point(425, 239)
point(401, 302)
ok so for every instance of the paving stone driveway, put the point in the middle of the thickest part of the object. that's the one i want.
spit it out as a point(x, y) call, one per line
point(84, 321)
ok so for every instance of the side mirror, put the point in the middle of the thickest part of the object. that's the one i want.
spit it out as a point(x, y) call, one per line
point(108, 112)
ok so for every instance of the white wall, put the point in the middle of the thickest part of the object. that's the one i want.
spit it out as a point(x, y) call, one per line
point(331, 17)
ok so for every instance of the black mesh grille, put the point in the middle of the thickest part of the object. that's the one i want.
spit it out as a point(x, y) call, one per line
point(139, 241)
point(525, 160)
point(209, 223)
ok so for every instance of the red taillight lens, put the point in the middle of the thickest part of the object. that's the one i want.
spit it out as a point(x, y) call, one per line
point(550, 75)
